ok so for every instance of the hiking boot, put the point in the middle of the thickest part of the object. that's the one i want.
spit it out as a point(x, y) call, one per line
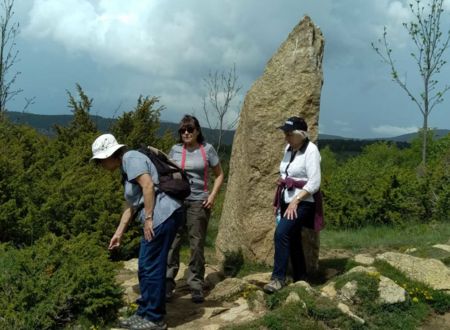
point(274, 286)
point(197, 296)
point(170, 289)
point(149, 325)
point(128, 322)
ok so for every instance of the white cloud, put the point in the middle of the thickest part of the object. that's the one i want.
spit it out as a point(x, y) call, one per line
point(149, 36)
point(388, 130)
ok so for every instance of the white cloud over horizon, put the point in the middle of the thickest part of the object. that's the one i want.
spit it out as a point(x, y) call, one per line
point(389, 130)
point(119, 49)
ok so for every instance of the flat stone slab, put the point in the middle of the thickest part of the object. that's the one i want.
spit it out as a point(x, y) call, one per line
point(362, 269)
point(258, 278)
point(131, 265)
point(432, 272)
point(228, 288)
point(364, 259)
point(442, 247)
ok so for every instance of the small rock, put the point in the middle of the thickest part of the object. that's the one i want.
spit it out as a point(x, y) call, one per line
point(304, 285)
point(240, 311)
point(211, 327)
point(362, 269)
point(293, 297)
point(210, 312)
point(346, 310)
point(348, 291)
point(410, 250)
point(329, 273)
point(213, 275)
point(258, 303)
point(182, 272)
point(364, 259)
point(258, 278)
point(390, 292)
point(442, 247)
point(228, 288)
point(131, 265)
point(131, 290)
point(329, 290)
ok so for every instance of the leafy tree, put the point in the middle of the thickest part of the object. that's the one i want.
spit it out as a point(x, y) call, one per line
point(138, 127)
point(426, 35)
point(81, 123)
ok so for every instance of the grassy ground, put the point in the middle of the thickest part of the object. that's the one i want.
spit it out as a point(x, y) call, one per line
point(320, 313)
point(387, 237)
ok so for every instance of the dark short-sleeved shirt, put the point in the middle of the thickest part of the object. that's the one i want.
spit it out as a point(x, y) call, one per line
point(195, 167)
point(135, 164)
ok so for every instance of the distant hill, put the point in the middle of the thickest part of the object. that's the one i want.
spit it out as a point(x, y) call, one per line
point(438, 133)
point(45, 124)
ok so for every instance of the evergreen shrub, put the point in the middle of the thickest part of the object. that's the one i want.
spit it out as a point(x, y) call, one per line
point(55, 282)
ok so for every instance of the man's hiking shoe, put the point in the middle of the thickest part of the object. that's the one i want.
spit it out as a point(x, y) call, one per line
point(149, 325)
point(128, 322)
point(274, 286)
point(197, 296)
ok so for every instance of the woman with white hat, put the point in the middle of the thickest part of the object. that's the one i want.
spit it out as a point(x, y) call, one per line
point(160, 217)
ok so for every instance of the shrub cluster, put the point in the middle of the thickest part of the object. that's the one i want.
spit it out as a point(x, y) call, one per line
point(385, 185)
point(58, 212)
point(55, 282)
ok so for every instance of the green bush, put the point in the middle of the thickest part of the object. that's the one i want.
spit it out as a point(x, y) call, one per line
point(56, 282)
point(373, 188)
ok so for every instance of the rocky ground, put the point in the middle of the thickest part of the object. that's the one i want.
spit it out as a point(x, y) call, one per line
point(228, 299)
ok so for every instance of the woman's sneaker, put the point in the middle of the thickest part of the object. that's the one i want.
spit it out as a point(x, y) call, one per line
point(274, 286)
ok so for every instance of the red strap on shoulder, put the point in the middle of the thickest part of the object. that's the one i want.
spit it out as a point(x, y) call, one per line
point(205, 171)
point(183, 157)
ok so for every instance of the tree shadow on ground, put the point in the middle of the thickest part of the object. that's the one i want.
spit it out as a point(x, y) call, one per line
point(329, 268)
point(181, 310)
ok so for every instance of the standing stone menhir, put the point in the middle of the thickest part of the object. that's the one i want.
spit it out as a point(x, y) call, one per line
point(290, 85)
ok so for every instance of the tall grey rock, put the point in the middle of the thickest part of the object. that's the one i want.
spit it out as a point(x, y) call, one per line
point(290, 85)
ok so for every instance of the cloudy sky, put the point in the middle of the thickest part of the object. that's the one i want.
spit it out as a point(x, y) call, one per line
point(117, 50)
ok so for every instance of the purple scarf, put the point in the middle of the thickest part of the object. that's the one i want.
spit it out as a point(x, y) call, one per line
point(290, 183)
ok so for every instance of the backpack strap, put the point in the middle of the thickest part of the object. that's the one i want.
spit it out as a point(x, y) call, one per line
point(205, 170)
point(205, 165)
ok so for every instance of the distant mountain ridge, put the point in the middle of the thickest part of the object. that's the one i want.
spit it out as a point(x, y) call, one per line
point(45, 124)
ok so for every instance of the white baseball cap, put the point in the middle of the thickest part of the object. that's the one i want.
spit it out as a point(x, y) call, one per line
point(105, 146)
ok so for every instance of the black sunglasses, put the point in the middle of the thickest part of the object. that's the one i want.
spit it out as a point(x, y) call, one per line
point(188, 128)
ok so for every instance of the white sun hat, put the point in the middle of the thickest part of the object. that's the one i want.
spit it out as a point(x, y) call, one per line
point(104, 146)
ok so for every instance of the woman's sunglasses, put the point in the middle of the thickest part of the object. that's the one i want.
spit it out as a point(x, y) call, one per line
point(188, 128)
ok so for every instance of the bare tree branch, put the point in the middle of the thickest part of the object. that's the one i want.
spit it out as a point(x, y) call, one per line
point(222, 88)
point(425, 33)
point(9, 30)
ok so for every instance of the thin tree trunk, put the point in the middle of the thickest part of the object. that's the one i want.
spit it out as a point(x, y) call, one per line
point(424, 139)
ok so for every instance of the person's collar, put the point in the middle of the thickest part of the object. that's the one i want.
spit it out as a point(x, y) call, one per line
point(302, 148)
